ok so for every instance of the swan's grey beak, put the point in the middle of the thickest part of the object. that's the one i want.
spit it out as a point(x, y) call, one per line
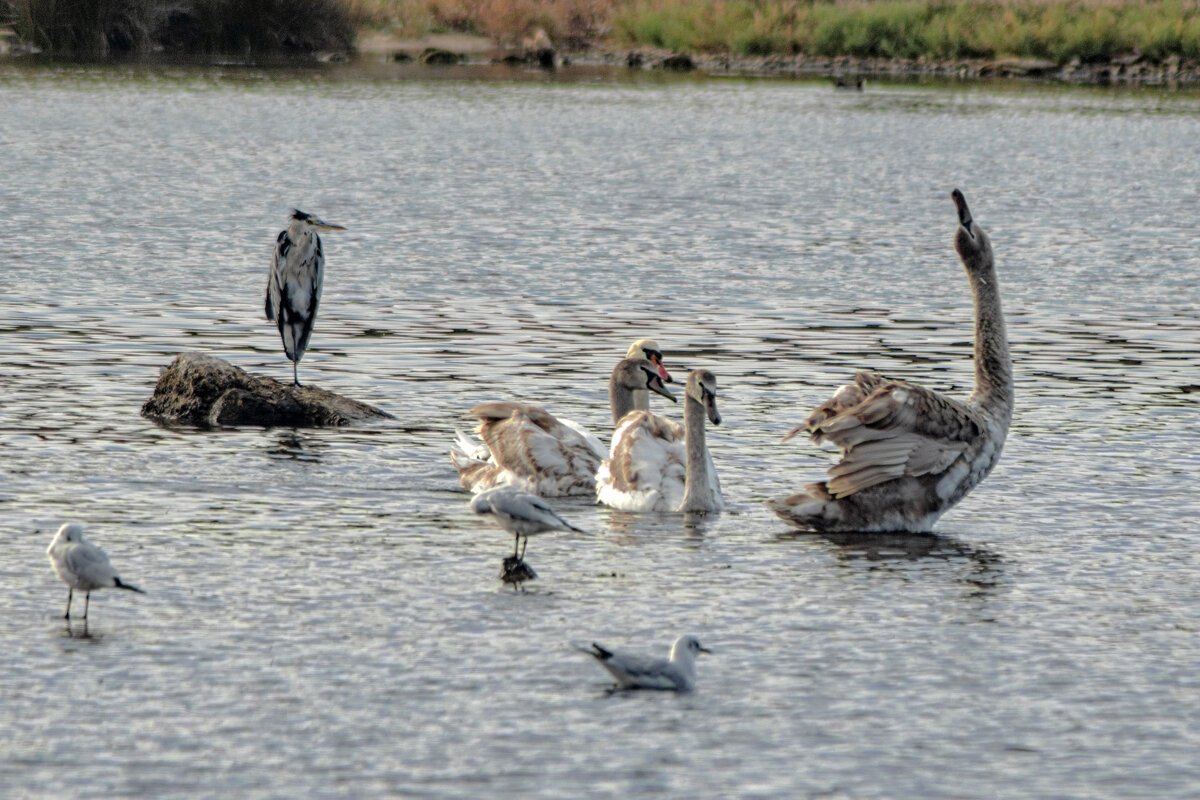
point(964, 213)
point(704, 649)
point(710, 405)
point(658, 388)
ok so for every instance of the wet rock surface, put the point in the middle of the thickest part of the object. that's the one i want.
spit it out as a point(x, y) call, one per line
point(206, 391)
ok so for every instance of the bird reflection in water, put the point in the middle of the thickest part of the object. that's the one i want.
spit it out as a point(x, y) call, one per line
point(294, 446)
point(898, 551)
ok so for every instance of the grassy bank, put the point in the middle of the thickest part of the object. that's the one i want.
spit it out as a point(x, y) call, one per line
point(934, 30)
point(909, 29)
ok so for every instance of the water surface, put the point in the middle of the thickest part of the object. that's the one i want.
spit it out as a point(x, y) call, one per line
point(324, 616)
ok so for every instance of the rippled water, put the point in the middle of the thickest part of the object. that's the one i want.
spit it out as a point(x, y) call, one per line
point(324, 616)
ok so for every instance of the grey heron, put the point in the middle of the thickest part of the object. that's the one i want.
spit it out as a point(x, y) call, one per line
point(82, 565)
point(294, 285)
point(632, 671)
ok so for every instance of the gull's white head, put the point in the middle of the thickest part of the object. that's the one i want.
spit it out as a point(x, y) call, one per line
point(69, 532)
point(687, 647)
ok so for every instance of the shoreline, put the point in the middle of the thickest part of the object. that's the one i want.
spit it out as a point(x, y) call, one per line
point(1131, 70)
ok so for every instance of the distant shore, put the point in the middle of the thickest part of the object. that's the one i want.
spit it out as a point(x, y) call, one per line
point(847, 70)
point(1132, 42)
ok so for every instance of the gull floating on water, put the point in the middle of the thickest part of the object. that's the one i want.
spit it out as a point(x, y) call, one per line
point(82, 565)
point(631, 671)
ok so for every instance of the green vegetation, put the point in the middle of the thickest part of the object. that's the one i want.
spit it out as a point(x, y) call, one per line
point(938, 30)
point(932, 29)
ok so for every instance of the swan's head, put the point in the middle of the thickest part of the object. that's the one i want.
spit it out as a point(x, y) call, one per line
point(303, 221)
point(687, 644)
point(702, 387)
point(970, 240)
point(649, 350)
point(640, 373)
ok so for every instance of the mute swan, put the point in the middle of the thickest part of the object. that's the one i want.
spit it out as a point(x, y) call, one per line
point(631, 671)
point(527, 447)
point(909, 453)
point(658, 465)
point(82, 565)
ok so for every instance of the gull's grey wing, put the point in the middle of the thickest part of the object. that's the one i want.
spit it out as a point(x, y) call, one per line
point(640, 672)
point(89, 564)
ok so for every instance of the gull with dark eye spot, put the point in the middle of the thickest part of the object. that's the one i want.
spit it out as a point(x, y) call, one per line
point(82, 565)
point(676, 673)
point(523, 515)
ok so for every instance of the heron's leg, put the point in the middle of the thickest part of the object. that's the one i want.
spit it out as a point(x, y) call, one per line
point(70, 593)
point(516, 541)
point(87, 599)
point(523, 546)
point(295, 373)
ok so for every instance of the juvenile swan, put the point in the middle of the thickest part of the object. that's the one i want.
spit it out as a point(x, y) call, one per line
point(294, 284)
point(909, 453)
point(82, 565)
point(678, 673)
point(656, 465)
point(529, 448)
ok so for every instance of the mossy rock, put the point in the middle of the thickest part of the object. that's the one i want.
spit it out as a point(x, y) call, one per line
point(202, 390)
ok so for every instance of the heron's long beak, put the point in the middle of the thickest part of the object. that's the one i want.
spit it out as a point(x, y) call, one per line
point(322, 225)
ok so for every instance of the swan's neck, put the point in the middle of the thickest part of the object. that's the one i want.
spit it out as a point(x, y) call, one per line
point(621, 399)
point(993, 364)
point(641, 399)
point(697, 494)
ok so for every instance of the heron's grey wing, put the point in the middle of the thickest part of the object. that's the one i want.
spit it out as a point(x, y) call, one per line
point(274, 289)
point(89, 564)
point(315, 270)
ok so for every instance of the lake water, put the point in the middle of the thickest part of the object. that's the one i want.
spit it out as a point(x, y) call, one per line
point(324, 617)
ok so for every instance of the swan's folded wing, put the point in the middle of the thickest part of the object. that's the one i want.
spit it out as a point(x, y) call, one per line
point(646, 453)
point(532, 444)
point(898, 430)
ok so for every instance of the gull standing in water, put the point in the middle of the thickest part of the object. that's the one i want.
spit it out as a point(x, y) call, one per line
point(677, 673)
point(294, 285)
point(910, 453)
point(523, 515)
point(82, 565)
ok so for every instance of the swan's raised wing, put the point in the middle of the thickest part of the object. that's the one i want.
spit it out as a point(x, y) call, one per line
point(897, 429)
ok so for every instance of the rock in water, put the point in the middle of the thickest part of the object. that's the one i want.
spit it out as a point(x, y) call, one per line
point(515, 571)
point(198, 389)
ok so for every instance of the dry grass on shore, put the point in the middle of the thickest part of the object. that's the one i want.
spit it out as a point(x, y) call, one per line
point(1088, 30)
